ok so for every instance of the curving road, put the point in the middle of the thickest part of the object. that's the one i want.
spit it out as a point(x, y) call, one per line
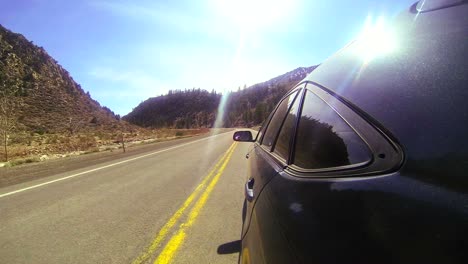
point(173, 203)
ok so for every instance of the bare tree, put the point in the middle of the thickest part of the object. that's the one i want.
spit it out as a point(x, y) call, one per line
point(10, 103)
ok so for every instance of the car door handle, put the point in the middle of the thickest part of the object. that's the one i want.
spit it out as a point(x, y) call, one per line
point(249, 192)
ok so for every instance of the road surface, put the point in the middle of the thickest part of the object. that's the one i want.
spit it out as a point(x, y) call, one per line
point(180, 203)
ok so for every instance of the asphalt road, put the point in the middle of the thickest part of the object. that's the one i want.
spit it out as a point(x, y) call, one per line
point(174, 204)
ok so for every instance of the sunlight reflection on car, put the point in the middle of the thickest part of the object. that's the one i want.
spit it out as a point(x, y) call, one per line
point(377, 38)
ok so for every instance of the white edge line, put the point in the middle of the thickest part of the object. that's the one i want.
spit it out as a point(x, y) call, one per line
point(107, 166)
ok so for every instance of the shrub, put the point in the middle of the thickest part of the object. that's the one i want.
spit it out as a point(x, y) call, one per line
point(23, 161)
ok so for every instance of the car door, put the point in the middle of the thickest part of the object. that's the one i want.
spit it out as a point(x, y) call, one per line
point(265, 165)
point(309, 212)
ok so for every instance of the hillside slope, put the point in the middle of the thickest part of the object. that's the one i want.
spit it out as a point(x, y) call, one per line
point(51, 101)
point(194, 108)
point(198, 108)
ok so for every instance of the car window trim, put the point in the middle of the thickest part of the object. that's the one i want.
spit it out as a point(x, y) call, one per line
point(274, 111)
point(367, 131)
point(273, 146)
point(292, 143)
point(299, 88)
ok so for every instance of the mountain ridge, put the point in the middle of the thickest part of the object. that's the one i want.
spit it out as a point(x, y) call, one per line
point(244, 108)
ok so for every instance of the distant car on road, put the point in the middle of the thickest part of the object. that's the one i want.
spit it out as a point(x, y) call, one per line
point(366, 159)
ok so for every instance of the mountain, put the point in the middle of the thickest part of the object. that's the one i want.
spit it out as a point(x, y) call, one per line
point(198, 108)
point(252, 105)
point(45, 96)
point(178, 109)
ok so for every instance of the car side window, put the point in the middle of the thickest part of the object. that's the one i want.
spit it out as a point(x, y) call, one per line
point(277, 120)
point(282, 143)
point(324, 139)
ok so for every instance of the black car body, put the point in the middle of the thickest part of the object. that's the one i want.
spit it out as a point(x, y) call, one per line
point(366, 160)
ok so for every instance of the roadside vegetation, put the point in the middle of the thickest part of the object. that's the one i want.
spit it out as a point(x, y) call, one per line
point(33, 147)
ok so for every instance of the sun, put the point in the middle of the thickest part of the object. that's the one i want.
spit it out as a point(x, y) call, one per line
point(376, 39)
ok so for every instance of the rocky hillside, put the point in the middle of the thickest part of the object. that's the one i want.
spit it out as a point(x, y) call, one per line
point(47, 99)
point(198, 108)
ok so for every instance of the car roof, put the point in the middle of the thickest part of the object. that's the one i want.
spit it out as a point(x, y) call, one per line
point(418, 91)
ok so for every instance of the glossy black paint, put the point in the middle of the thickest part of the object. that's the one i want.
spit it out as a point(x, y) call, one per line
point(408, 206)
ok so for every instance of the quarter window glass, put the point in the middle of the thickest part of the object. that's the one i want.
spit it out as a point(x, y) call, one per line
point(324, 139)
point(277, 120)
point(282, 143)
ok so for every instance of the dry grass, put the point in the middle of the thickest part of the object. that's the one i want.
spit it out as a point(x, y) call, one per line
point(27, 148)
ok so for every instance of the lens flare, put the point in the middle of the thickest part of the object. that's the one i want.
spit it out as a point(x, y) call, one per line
point(376, 39)
point(221, 111)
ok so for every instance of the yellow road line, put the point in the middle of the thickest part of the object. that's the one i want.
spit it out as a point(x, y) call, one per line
point(173, 220)
point(168, 253)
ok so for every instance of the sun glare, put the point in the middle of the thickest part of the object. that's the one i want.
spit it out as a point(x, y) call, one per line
point(376, 39)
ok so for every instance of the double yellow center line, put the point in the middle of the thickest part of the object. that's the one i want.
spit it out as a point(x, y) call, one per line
point(205, 188)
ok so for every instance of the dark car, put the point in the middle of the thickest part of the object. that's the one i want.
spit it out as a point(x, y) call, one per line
point(366, 159)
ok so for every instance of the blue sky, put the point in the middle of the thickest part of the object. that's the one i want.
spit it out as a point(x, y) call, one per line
point(124, 52)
